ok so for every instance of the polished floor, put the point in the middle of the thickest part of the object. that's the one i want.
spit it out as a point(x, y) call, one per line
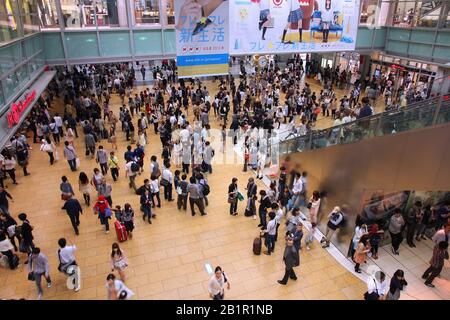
point(167, 258)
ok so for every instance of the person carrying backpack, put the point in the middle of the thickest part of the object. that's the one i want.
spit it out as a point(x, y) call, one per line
point(131, 169)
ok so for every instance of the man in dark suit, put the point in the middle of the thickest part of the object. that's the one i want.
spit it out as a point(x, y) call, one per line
point(291, 259)
point(73, 209)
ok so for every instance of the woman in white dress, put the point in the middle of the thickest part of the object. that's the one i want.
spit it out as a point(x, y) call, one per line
point(119, 261)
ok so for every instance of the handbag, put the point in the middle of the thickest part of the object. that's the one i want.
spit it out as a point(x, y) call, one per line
point(107, 213)
point(164, 182)
point(179, 190)
point(373, 295)
point(31, 276)
point(77, 163)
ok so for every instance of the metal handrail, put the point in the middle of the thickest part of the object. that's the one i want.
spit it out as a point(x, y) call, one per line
point(375, 125)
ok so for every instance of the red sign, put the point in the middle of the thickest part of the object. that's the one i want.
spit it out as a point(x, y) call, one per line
point(396, 66)
point(17, 109)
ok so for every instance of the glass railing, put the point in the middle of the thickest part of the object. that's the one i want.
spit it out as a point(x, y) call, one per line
point(420, 115)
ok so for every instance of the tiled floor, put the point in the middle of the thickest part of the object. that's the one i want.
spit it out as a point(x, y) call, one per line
point(167, 258)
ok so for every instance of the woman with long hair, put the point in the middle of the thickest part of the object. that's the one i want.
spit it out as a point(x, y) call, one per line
point(83, 186)
point(118, 260)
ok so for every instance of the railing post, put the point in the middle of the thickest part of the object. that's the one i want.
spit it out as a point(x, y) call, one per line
point(436, 111)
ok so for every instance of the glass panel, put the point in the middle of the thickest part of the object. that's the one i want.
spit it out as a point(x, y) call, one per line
point(399, 47)
point(47, 13)
point(441, 52)
point(380, 38)
point(10, 85)
point(428, 16)
point(444, 112)
point(443, 37)
point(89, 13)
point(147, 42)
point(83, 44)
point(399, 34)
point(53, 46)
point(364, 38)
point(22, 76)
point(146, 11)
point(420, 50)
point(115, 43)
point(170, 12)
point(422, 35)
point(169, 41)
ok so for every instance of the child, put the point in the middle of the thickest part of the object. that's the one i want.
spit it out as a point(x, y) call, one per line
point(310, 236)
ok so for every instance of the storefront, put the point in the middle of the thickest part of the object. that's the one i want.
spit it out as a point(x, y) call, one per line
point(421, 74)
point(11, 118)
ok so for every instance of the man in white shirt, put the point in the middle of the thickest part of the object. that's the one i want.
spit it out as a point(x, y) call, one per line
point(377, 285)
point(59, 124)
point(296, 190)
point(184, 135)
point(67, 262)
point(271, 231)
point(131, 174)
point(167, 181)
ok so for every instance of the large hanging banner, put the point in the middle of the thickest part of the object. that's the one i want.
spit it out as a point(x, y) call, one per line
point(202, 37)
point(283, 26)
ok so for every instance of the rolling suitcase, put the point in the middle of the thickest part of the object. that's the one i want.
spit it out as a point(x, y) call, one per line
point(257, 244)
point(120, 231)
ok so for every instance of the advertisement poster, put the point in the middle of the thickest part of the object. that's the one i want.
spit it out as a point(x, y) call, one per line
point(202, 37)
point(276, 26)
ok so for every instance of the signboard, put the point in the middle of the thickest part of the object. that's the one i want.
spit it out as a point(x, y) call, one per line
point(284, 26)
point(202, 29)
point(18, 108)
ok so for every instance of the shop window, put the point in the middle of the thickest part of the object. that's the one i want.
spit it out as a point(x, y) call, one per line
point(170, 12)
point(9, 19)
point(146, 11)
point(91, 13)
point(368, 12)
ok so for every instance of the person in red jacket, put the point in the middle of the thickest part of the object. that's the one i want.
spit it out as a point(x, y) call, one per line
point(101, 207)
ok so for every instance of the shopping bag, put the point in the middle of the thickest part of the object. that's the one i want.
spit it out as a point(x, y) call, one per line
point(77, 162)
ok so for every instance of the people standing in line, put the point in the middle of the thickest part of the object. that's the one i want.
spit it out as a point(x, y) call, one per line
point(26, 233)
point(422, 225)
point(309, 239)
point(412, 218)
point(101, 157)
point(233, 196)
point(70, 155)
point(146, 206)
point(38, 266)
point(397, 284)
point(297, 237)
point(126, 216)
point(101, 207)
point(66, 259)
point(396, 224)
point(73, 209)
point(291, 259)
point(362, 249)
point(119, 261)
point(217, 283)
point(297, 190)
point(440, 254)
point(195, 197)
point(84, 187)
